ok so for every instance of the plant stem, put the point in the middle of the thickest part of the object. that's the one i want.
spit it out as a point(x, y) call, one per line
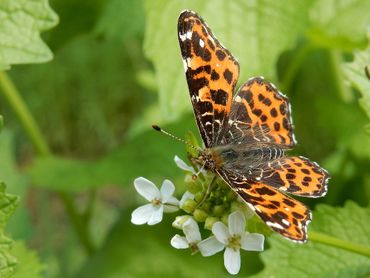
point(21, 110)
point(23, 114)
point(339, 243)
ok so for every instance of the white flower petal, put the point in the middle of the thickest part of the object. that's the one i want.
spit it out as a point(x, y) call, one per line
point(236, 223)
point(170, 208)
point(182, 165)
point(147, 189)
point(156, 216)
point(179, 242)
point(191, 231)
point(172, 201)
point(221, 232)
point(167, 190)
point(232, 260)
point(210, 246)
point(142, 214)
point(252, 242)
point(185, 196)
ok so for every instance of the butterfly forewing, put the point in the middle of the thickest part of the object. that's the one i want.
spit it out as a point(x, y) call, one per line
point(259, 107)
point(211, 73)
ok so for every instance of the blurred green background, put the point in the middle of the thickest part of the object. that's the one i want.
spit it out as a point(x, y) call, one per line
point(116, 69)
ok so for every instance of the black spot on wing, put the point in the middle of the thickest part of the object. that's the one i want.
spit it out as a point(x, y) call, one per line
point(228, 75)
point(220, 55)
point(219, 96)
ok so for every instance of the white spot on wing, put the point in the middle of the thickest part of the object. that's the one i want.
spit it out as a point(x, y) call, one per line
point(238, 99)
point(182, 37)
point(201, 43)
point(185, 64)
point(275, 225)
point(286, 222)
point(189, 34)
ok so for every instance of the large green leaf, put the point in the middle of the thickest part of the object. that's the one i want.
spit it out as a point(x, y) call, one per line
point(350, 223)
point(256, 32)
point(21, 22)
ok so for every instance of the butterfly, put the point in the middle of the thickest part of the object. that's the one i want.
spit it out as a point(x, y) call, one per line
point(246, 135)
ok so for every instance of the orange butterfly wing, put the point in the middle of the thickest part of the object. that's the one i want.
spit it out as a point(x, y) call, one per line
point(283, 214)
point(211, 74)
point(261, 109)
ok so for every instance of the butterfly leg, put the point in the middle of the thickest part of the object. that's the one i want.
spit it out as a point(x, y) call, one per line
point(206, 194)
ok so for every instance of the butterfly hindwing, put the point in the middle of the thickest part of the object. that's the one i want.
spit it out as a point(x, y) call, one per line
point(259, 107)
point(283, 214)
point(211, 73)
point(296, 175)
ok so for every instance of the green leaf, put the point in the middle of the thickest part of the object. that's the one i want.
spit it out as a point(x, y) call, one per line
point(29, 263)
point(8, 204)
point(21, 22)
point(339, 23)
point(356, 73)
point(350, 223)
point(252, 31)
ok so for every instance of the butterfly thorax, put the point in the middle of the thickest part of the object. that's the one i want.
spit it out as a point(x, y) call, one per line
point(237, 158)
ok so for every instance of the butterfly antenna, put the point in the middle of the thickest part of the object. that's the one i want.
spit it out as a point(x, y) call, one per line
point(157, 128)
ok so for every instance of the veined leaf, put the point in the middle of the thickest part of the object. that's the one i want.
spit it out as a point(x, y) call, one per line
point(350, 223)
point(21, 22)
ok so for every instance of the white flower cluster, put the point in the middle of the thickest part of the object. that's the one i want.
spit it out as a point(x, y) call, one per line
point(231, 238)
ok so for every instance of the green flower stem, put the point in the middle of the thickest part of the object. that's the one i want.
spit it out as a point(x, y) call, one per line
point(19, 107)
point(23, 114)
point(339, 243)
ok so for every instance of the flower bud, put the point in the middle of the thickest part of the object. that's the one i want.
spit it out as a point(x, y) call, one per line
point(192, 185)
point(179, 221)
point(189, 205)
point(200, 215)
point(198, 196)
point(218, 210)
point(206, 206)
point(210, 221)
